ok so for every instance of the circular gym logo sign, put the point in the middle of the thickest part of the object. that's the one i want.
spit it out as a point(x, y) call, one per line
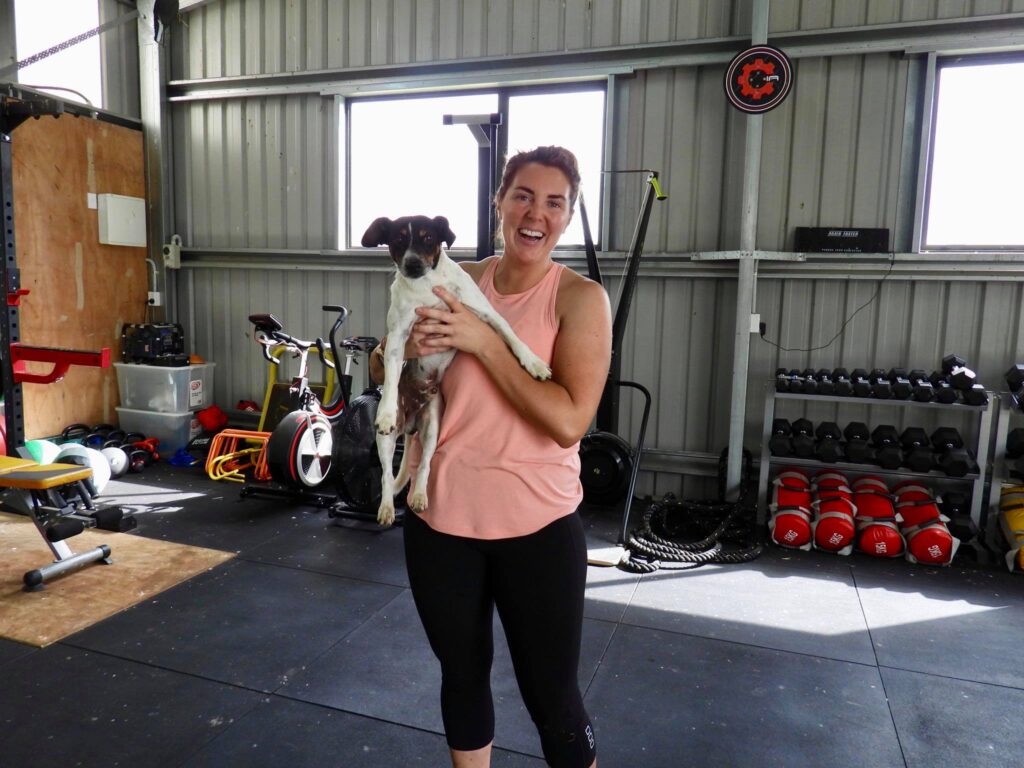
point(758, 79)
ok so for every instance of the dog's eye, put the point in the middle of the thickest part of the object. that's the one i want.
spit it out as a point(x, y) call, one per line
point(428, 239)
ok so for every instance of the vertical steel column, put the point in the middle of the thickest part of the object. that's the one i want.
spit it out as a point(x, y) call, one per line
point(925, 152)
point(484, 193)
point(9, 333)
point(747, 276)
point(485, 130)
point(151, 104)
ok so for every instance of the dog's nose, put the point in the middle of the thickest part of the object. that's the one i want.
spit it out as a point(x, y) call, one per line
point(413, 268)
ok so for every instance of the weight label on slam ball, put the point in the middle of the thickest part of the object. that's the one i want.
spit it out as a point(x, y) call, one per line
point(758, 79)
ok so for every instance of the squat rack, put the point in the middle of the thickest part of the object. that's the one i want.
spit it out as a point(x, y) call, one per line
point(18, 104)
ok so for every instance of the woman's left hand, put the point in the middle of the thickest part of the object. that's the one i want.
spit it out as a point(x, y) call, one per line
point(456, 327)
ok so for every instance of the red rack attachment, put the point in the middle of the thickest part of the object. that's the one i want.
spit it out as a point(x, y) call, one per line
point(62, 359)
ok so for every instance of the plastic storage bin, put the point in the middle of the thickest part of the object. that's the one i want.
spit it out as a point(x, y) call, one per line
point(165, 389)
point(173, 430)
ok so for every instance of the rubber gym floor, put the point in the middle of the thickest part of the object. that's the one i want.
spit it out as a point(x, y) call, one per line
point(305, 650)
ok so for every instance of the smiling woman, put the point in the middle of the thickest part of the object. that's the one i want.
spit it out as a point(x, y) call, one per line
point(500, 528)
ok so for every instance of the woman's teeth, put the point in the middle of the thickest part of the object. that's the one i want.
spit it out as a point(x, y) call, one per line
point(531, 234)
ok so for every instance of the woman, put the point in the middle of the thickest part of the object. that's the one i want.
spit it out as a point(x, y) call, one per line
point(501, 529)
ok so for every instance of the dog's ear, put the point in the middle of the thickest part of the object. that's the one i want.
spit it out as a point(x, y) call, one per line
point(377, 233)
point(445, 231)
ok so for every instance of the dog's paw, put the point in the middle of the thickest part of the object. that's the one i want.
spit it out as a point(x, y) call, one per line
point(386, 512)
point(537, 368)
point(386, 421)
point(418, 501)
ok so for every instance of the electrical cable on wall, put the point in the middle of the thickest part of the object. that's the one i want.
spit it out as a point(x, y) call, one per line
point(830, 342)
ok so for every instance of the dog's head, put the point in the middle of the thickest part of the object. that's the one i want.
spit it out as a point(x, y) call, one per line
point(414, 241)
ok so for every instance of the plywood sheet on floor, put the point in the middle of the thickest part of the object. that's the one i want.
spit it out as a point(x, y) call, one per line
point(141, 569)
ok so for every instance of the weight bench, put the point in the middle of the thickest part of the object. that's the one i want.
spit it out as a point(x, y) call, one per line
point(60, 506)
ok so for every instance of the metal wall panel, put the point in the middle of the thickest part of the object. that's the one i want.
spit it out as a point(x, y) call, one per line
point(119, 60)
point(250, 37)
point(258, 173)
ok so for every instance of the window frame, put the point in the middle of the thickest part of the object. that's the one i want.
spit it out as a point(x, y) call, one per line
point(504, 92)
point(936, 64)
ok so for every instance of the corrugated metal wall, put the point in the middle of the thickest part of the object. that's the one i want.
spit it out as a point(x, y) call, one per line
point(119, 52)
point(246, 37)
point(258, 173)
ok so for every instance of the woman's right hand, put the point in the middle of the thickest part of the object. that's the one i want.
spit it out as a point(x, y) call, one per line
point(416, 346)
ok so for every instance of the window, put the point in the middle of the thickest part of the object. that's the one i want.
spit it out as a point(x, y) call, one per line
point(402, 159)
point(73, 73)
point(976, 160)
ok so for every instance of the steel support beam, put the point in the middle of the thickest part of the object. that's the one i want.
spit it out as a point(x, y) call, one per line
point(747, 276)
point(159, 192)
point(982, 33)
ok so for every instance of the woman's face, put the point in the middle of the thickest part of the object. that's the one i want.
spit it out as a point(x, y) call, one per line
point(534, 211)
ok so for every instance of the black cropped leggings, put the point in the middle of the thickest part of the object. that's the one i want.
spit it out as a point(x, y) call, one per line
point(536, 582)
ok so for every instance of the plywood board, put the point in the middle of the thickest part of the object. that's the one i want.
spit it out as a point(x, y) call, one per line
point(82, 292)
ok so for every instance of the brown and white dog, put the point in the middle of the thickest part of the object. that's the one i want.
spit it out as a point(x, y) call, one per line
point(409, 401)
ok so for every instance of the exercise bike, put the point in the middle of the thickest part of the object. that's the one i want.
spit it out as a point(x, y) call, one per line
point(323, 444)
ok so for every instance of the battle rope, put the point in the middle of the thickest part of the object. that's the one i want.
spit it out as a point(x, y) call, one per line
point(704, 525)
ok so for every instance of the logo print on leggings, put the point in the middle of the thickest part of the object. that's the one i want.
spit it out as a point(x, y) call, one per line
point(590, 736)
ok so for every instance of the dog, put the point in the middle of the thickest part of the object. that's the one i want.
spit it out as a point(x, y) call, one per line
point(409, 401)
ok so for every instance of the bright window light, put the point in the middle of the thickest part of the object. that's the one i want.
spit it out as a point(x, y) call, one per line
point(574, 120)
point(405, 161)
point(977, 162)
point(41, 25)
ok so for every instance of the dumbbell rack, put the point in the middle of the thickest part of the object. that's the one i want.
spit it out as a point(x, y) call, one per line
point(986, 414)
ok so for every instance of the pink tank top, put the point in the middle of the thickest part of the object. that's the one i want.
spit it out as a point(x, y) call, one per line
point(493, 475)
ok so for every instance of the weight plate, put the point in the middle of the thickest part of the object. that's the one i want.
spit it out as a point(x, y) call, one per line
point(758, 79)
point(606, 463)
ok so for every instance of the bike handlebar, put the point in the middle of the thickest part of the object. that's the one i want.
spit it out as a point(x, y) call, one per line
point(270, 332)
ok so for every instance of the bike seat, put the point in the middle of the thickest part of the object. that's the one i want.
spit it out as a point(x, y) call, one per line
point(266, 323)
point(362, 343)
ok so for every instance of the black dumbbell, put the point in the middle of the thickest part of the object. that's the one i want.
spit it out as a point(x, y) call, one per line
point(842, 383)
point(902, 389)
point(951, 362)
point(861, 385)
point(780, 443)
point(964, 380)
point(956, 506)
point(922, 389)
point(880, 386)
point(886, 440)
point(944, 392)
point(810, 384)
point(825, 384)
point(829, 449)
point(954, 459)
point(796, 384)
point(1015, 451)
point(803, 439)
point(1015, 443)
point(1015, 383)
point(917, 451)
point(858, 449)
point(781, 380)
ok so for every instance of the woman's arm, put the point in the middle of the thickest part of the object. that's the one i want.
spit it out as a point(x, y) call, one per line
point(563, 407)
